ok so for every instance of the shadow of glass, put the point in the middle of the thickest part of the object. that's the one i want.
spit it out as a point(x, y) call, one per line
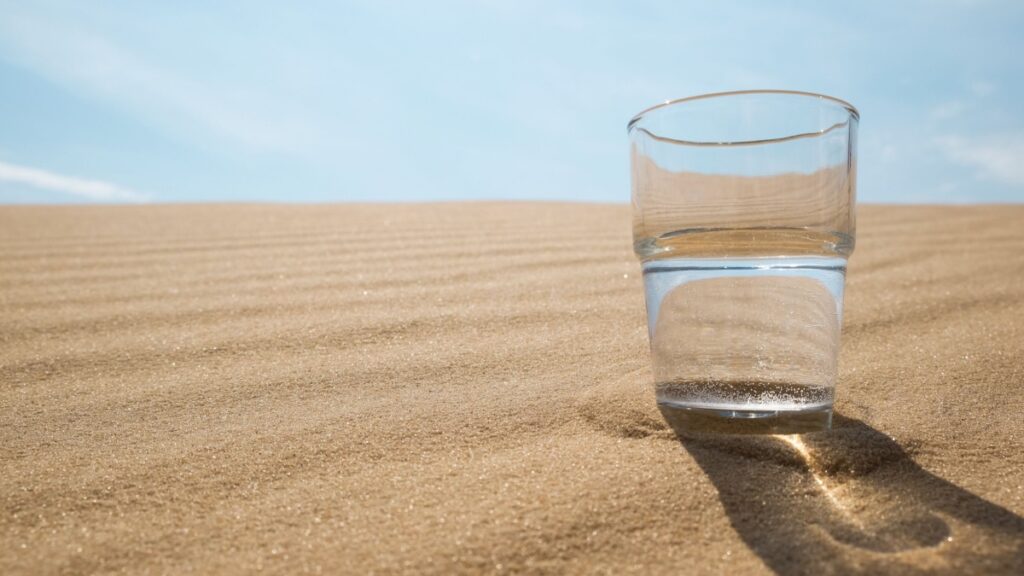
point(853, 501)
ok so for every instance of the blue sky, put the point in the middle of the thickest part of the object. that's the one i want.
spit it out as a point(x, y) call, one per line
point(450, 100)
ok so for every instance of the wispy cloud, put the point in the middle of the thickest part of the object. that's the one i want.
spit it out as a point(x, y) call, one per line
point(998, 158)
point(95, 190)
point(982, 88)
point(87, 61)
point(947, 110)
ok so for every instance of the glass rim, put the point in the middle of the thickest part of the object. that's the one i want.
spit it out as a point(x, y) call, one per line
point(850, 108)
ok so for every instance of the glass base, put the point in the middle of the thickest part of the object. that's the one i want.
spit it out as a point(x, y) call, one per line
point(689, 420)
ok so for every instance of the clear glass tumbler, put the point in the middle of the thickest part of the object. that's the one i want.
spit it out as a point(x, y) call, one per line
point(743, 218)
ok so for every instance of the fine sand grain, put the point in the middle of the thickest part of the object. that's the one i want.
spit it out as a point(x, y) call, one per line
point(466, 388)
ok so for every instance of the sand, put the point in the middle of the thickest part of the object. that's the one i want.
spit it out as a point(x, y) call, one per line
point(463, 388)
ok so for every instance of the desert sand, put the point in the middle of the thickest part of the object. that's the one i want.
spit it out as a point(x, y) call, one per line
point(463, 388)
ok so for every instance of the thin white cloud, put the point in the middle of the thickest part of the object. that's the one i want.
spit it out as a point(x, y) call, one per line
point(948, 110)
point(982, 88)
point(86, 61)
point(963, 3)
point(889, 153)
point(997, 158)
point(95, 190)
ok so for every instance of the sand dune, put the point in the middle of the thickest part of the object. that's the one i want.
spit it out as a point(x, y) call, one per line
point(465, 388)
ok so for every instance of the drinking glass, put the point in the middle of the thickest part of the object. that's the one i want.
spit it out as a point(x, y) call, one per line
point(743, 218)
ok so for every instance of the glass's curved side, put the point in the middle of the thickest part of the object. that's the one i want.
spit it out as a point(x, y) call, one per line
point(743, 208)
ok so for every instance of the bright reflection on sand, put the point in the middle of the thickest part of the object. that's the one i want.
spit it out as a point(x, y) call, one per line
point(831, 492)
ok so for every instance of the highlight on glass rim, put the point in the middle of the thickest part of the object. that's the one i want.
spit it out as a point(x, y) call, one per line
point(508, 287)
